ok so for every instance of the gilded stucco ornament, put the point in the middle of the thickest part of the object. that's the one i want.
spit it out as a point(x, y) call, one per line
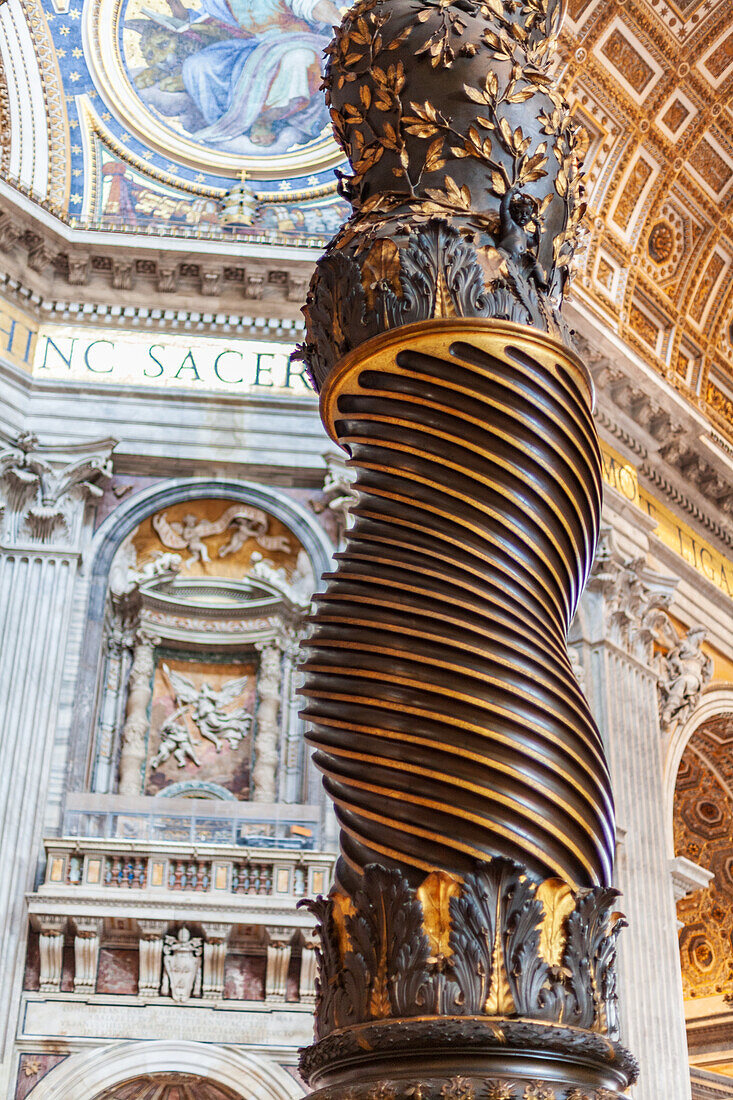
point(466, 190)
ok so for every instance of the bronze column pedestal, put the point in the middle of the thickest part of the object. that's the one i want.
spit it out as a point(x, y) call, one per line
point(468, 946)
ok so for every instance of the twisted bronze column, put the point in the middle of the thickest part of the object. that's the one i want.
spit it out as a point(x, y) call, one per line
point(468, 947)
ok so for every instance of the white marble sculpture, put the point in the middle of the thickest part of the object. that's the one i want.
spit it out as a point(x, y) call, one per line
point(685, 671)
point(182, 966)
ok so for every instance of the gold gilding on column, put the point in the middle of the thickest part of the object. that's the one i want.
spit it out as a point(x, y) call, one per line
point(442, 705)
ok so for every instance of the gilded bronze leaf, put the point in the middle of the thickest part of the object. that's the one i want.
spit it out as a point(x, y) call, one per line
point(558, 903)
point(434, 895)
point(343, 907)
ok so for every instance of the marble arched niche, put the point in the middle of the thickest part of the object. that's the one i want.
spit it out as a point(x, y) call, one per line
point(249, 595)
point(108, 1072)
point(715, 700)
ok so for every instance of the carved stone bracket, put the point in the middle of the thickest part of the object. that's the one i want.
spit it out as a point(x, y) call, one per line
point(151, 956)
point(308, 970)
point(45, 489)
point(279, 947)
point(51, 950)
point(215, 950)
point(86, 953)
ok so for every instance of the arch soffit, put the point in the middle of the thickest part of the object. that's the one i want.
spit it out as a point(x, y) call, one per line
point(715, 701)
point(251, 1076)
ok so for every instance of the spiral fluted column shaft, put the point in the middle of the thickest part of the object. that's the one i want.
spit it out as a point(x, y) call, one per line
point(441, 702)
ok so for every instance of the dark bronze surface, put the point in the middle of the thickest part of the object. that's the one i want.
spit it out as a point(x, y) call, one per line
point(466, 187)
point(441, 701)
point(468, 947)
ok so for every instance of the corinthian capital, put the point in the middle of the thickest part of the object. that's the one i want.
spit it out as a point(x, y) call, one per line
point(635, 599)
point(45, 489)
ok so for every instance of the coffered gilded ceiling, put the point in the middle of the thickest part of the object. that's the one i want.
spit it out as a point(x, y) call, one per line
point(118, 126)
point(703, 823)
point(651, 84)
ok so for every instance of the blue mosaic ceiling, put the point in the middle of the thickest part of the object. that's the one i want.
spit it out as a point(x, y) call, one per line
point(169, 104)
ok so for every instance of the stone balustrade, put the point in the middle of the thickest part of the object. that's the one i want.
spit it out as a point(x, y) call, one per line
point(218, 897)
point(118, 876)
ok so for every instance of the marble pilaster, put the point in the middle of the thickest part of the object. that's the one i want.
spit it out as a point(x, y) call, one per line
point(621, 611)
point(48, 495)
point(134, 731)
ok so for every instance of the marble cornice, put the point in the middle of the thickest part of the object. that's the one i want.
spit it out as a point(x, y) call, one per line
point(677, 455)
point(51, 261)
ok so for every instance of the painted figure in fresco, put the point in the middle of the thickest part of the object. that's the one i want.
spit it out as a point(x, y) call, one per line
point(240, 75)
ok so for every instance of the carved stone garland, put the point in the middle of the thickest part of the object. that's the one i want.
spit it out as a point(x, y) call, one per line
point(468, 947)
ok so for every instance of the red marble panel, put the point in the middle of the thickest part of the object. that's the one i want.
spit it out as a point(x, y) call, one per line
point(32, 979)
point(32, 1068)
point(244, 977)
point(118, 970)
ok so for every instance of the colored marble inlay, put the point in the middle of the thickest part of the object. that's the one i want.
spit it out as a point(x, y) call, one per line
point(627, 61)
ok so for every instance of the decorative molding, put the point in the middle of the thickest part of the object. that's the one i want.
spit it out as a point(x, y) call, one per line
point(497, 944)
point(688, 877)
point(635, 600)
point(44, 490)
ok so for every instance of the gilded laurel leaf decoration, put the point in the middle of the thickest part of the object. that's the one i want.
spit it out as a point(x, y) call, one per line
point(435, 895)
point(501, 168)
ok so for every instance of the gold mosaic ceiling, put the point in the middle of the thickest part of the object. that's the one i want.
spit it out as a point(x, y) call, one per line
point(651, 82)
point(703, 825)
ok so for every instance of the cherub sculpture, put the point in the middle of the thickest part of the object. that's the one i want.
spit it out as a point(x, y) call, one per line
point(685, 671)
point(175, 741)
point(519, 243)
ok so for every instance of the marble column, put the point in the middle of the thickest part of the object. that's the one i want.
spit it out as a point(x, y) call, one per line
point(267, 735)
point(621, 611)
point(135, 729)
point(215, 953)
point(86, 953)
point(119, 642)
point(150, 961)
point(278, 961)
point(48, 496)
